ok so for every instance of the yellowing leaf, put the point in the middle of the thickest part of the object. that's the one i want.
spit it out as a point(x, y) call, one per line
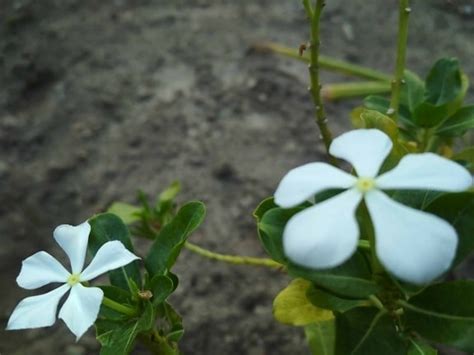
point(291, 306)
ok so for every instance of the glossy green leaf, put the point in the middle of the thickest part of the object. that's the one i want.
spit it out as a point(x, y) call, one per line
point(364, 331)
point(412, 91)
point(444, 313)
point(443, 83)
point(420, 348)
point(458, 210)
point(291, 306)
point(465, 158)
point(323, 299)
point(458, 124)
point(126, 212)
point(270, 231)
point(321, 337)
point(353, 279)
point(106, 227)
point(118, 338)
point(161, 287)
point(169, 242)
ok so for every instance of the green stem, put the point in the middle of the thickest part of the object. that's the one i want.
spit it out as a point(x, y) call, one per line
point(233, 259)
point(129, 311)
point(404, 12)
point(345, 90)
point(363, 244)
point(325, 62)
point(377, 303)
point(315, 87)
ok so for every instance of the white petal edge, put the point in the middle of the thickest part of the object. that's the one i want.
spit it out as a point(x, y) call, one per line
point(414, 246)
point(324, 235)
point(365, 149)
point(73, 240)
point(303, 182)
point(110, 256)
point(41, 269)
point(81, 308)
point(426, 171)
point(37, 311)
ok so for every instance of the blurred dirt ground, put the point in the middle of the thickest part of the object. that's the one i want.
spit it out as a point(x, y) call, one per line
point(100, 98)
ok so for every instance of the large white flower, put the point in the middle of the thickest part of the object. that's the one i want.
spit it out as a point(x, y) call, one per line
point(413, 245)
point(82, 306)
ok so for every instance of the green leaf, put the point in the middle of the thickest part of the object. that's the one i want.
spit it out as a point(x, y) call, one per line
point(444, 313)
point(419, 348)
point(118, 295)
point(382, 105)
point(321, 337)
point(444, 82)
point(367, 331)
point(263, 207)
point(458, 210)
point(446, 87)
point(126, 212)
point(418, 199)
point(169, 242)
point(413, 90)
point(429, 115)
point(161, 286)
point(270, 231)
point(170, 192)
point(465, 158)
point(323, 299)
point(119, 338)
point(353, 279)
point(363, 118)
point(106, 227)
point(291, 306)
point(458, 124)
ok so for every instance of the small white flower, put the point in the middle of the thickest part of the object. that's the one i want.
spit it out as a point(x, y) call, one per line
point(82, 306)
point(413, 245)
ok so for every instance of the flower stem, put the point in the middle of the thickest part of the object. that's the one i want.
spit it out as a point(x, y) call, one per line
point(404, 12)
point(119, 307)
point(233, 259)
point(325, 62)
point(314, 16)
point(345, 90)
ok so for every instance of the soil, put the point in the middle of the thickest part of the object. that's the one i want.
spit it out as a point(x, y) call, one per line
point(101, 98)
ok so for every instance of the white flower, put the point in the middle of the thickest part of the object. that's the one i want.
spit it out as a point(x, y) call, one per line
point(413, 245)
point(82, 306)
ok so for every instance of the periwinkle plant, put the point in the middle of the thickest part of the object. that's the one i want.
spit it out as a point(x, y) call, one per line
point(367, 249)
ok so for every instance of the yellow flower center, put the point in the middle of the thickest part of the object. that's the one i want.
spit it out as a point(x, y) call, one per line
point(73, 279)
point(365, 184)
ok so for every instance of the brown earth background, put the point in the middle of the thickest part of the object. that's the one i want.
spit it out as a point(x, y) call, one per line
point(100, 98)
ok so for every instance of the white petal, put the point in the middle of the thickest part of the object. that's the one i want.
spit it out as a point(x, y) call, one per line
point(81, 308)
point(324, 235)
point(111, 255)
point(37, 311)
point(73, 240)
point(365, 149)
point(426, 171)
point(413, 245)
point(303, 182)
point(41, 269)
